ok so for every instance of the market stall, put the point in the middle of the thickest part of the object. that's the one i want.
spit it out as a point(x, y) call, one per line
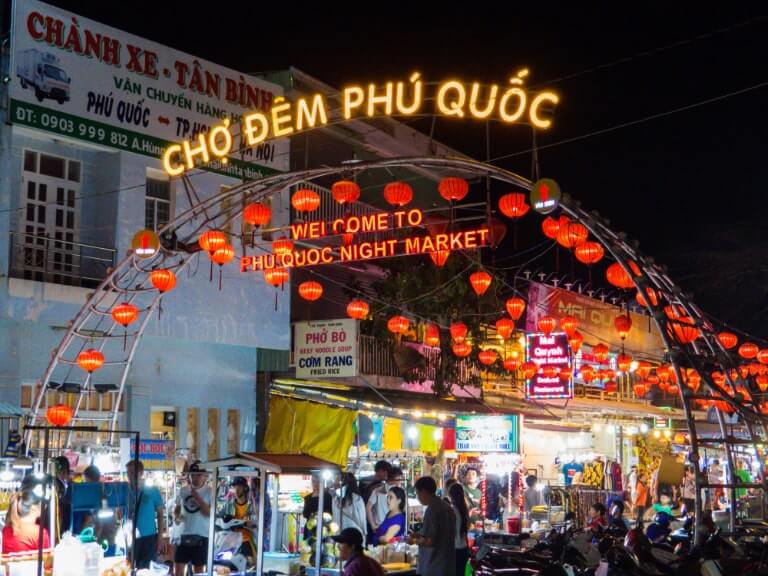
point(267, 469)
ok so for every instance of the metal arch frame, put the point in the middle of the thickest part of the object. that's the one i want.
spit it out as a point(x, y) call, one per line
point(130, 278)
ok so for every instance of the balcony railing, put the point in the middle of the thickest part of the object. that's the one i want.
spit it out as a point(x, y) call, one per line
point(44, 259)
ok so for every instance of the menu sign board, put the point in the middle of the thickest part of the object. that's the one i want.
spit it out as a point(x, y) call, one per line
point(552, 354)
point(487, 433)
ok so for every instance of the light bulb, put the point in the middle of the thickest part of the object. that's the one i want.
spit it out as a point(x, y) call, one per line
point(656, 434)
point(644, 428)
point(413, 432)
point(438, 434)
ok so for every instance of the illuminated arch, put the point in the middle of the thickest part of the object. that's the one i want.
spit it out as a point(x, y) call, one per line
point(130, 281)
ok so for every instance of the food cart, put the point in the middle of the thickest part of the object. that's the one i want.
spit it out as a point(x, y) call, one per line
point(261, 465)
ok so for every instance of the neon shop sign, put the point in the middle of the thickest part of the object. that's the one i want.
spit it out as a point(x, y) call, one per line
point(552, 355)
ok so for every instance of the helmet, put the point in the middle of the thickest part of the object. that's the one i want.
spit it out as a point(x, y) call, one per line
point(662, 519)
point(656, 533)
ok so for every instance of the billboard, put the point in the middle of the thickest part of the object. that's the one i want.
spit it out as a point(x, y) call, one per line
point(595, 319)
point(488, 433)
point(325, 349)
point(78, 78)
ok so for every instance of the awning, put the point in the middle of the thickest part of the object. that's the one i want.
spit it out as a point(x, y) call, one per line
point(8, 410)
point(388, 402)
point(274, 463)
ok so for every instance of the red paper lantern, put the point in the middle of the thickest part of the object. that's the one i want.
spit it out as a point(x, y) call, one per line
point(398, 193)
point(576, 341)
point(610, 387)
point(487, 357)
point(546, 324)
point(550, 227)
point(59, 415)
point(589, 253)
point(440, 257)
point(624, 361)
point(458, 331)
point(212, 240)
point(762, 356)
point(310, 290)
point(90, 360)
point(652, 298)
point(566, 373)
point(282, 246)
point(461, 349)
point(529, 369)
point(587, 373)
point(305, 200)
point(257, 214)
point(515, 307)
point(345, 191)
point(762, 382)
point(453, 189)
point(600, 352)
point(640, 390)
point(125, 313)
point(223, 255)
point(511, 364)
point(623, 325)
point(618, 277)
point(727, 339)
point(162, 279)
point(276, 276)
point(572, 234)
point(347, 238)
point(357, 309)
point(480, 281)
point(569, 324)
point(505, 326)
point(436, 224)
point(550, 371)
point(398, 324)
point(432, 335)
point(748, 350)
point(496, 232)
point(513, 205)
point(684, 329)
point(692, 379)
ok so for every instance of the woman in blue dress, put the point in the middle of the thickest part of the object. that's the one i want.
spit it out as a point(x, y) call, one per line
point(393, 526)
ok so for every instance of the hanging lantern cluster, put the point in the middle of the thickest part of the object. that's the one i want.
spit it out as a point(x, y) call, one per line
point(398, 193)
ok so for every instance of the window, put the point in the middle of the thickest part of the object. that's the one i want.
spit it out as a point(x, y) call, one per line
point(157, 207)
point(45, 247)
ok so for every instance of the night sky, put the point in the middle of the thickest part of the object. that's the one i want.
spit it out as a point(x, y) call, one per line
point(688, 185)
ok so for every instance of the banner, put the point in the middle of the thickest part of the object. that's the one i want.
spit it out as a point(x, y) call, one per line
point(595, 319)
point(488, 433)
point(552, 353)
point(78, 78)
point(154, 454)
point(325, 349)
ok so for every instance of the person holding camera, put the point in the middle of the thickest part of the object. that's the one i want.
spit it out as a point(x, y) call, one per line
point(193, 510)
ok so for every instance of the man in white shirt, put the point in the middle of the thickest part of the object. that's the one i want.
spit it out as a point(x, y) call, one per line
point(193, 509)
